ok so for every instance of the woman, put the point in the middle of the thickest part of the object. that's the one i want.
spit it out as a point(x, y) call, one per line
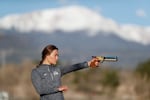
point(46, 78)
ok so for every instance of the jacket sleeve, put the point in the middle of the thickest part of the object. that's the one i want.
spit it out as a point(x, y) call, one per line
point(75, 67)
point(41, 85)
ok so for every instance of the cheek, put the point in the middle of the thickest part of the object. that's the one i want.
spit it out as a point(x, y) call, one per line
point(55, 59)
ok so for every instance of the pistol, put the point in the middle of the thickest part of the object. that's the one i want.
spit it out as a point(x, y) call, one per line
point(104, 58)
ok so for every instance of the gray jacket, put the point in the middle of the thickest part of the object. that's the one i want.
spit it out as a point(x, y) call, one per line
point(46, 79)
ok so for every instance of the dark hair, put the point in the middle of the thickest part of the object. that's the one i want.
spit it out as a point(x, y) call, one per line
point(46, 51)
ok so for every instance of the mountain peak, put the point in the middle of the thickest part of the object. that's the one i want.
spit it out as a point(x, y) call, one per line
point(71, 19)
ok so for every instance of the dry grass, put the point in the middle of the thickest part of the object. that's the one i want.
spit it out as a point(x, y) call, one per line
point(83, 85)
point(15, 79)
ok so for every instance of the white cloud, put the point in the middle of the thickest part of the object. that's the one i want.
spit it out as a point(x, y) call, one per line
point(75, 18)
point(141, 13)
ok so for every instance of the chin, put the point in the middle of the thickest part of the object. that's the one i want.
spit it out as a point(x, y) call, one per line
point(54, 63)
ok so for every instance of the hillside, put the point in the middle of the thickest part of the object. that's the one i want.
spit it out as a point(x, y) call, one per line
point(73, 47)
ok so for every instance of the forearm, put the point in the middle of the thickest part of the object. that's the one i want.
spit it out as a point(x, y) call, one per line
point(47, 90)
point(74, 67)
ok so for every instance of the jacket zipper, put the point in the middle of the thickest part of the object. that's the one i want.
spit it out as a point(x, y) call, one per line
point(50, 73)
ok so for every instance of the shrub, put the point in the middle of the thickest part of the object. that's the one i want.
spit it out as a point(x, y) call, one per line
point(110, 78)
point(143, 69)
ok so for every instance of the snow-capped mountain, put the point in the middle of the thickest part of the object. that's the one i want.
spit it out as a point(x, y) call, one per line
point(71, 19)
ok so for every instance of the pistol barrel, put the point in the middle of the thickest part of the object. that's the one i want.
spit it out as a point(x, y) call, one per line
point(104, 58)
point(113, 59)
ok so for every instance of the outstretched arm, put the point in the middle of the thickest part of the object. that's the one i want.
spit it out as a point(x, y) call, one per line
point(94, 62)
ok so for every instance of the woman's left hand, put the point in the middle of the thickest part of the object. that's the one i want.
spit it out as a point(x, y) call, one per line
point(63, 88)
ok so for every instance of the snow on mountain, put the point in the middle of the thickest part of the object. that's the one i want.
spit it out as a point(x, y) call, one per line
point(71, 19)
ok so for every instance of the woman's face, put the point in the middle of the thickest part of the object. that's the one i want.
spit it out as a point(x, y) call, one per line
point(53, 57)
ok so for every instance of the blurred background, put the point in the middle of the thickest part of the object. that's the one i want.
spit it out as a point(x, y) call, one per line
point(80, 29)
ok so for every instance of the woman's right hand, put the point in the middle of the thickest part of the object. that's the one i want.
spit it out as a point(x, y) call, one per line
point(63, 88)
point(94, 62)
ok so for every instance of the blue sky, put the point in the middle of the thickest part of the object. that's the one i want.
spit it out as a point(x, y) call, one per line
point(122, 11)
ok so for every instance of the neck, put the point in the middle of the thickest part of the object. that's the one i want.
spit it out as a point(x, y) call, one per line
point(46, 62)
